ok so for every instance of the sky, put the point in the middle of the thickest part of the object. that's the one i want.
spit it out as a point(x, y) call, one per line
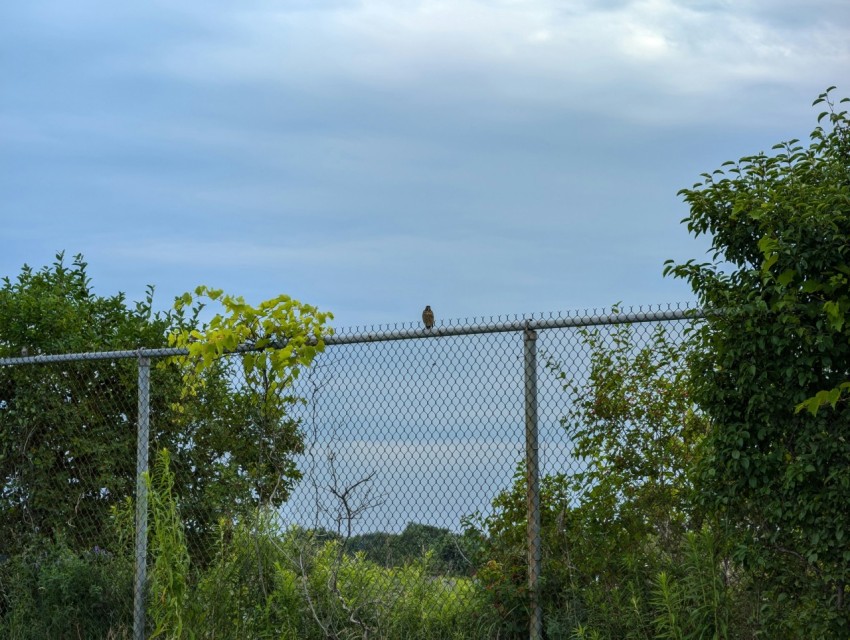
point(370, 157)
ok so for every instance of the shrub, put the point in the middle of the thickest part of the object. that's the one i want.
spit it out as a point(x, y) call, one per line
point(49, 591)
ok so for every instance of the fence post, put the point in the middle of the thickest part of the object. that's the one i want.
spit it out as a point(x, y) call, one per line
point(141, 545)
point(532, 476)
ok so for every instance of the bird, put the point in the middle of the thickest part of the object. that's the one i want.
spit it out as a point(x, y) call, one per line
point(24, 352)
point(428, 317)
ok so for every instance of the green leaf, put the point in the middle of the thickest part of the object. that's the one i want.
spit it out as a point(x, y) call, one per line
point(779, 340)
point(786, 277)
point(769, 262)
point(834, 314)
point(767, 245)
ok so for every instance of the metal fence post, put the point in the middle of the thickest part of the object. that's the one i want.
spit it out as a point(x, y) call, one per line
point(141, 546)
point(532, 476)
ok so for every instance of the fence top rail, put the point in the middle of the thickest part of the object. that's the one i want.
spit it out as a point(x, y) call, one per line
point(516, 324)
point(554, 321)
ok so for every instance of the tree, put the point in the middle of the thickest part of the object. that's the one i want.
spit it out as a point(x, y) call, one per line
point(67, 435)
point(634, 425)
point(67, 430)
point(775, 340)
point(232, 438)
point(611, 519)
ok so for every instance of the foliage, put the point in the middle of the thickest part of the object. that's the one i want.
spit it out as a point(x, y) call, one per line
point(502, 556)
point(448, 550)
point(695, 594)
point(67, 430)
point(50, 591)
point(777, 340)
point(250, 590)
point(616, 519)
point(264, 582)
point(635, 430)
point(67, 443)
point(169, 571)
point(349, 596)
point(275, 339)
point(699, 597)
point(237, 406)
point(226, 443)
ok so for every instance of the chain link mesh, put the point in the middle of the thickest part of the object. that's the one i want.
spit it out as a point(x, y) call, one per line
point(363, 501)
point(68, 431)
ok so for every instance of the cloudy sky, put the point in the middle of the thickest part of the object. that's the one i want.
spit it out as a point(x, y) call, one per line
point(372, 156)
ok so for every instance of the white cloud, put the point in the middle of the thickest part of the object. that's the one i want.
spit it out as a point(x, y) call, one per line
point(329, 145)
point(569, 55)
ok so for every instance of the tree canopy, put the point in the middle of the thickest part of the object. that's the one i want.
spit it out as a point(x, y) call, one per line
point(775, 340)
point(68, 429)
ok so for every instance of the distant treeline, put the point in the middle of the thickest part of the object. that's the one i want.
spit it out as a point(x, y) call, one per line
point(447, 549)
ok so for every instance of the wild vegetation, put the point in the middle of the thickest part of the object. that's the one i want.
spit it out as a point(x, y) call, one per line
point(710, 502)
point(772, 366)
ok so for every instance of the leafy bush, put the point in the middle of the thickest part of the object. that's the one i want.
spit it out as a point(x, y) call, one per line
point(49, 591)
point(613, 523)
point(779, 225)
point(263, 582)
point(351, 596)
point(249, 589)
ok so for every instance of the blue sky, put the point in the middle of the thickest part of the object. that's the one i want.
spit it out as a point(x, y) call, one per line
point(373, 156)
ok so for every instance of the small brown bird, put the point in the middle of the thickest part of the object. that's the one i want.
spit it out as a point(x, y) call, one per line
point(428, 317)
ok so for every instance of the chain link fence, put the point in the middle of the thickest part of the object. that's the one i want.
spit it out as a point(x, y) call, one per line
point(405, 486)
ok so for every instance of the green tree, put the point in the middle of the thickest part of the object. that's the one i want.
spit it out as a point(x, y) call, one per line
point(417, 540)
point(233, 439)
point(67, 434)
point(776, 295)
point(634, 426)
point(67, 430)
point(612, 520)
